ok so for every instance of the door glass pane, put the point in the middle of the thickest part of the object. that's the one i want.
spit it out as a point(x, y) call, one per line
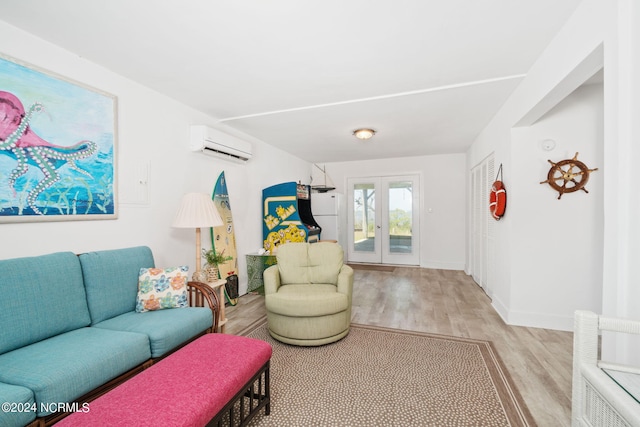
point(400, 217)
point(364, 217)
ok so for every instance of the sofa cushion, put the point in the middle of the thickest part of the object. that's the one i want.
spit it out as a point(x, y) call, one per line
point(25, 407)
point(111, 280)
point(166, 329)
point(41, 297)
point(300, 263)
point(162, 288)
point(306, 300)
point(67, 366)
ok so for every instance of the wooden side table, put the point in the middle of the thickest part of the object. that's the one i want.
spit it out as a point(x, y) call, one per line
point(222, 318)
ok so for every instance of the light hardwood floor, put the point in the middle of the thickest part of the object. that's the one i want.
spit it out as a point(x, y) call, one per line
point(450, 303)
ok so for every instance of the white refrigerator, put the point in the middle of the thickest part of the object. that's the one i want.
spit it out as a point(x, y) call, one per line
point(329, 211)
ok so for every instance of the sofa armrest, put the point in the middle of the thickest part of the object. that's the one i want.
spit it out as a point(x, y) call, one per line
point(271, 278)
point(199, 293)
point(345, 281)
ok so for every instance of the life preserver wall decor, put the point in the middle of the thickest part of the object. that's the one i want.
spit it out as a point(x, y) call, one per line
point(498, 197)
point(568, 176)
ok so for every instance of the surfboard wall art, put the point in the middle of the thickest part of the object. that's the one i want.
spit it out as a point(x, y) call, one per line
point(223, 239)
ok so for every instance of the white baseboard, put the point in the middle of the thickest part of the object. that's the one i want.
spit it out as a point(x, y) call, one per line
point(444, 265)
point(533, 320)
point(541, 320)
point(500, 308)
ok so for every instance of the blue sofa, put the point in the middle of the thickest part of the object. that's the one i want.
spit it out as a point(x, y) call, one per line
point(70, 331)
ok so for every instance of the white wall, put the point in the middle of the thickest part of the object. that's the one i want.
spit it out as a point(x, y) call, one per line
point(557, 245)
point(442, 240)
point(152, 129)
point(574, 55)
point(600, 33)
point(520, 294)
point(621, 291)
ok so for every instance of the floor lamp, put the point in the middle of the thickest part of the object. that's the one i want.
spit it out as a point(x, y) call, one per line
point(197, 210)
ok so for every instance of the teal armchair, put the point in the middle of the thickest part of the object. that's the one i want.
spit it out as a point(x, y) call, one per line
point(308, 294)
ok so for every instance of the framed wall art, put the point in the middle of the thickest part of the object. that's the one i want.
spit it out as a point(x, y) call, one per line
point(57, 147)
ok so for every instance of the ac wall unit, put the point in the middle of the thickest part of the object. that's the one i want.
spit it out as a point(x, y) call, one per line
point(219, 144)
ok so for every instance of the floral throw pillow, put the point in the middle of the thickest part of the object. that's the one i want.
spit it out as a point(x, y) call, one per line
point(162, 288)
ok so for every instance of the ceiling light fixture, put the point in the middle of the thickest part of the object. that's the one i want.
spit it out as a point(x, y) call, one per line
point(364, 133)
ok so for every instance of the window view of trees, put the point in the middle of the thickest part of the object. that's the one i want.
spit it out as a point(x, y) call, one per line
point(400, 222)
point(364, 212)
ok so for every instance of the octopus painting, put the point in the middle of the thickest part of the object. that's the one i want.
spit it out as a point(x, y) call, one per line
point(21, 143)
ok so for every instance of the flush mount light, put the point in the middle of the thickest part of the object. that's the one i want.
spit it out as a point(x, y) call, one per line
point(364, 133)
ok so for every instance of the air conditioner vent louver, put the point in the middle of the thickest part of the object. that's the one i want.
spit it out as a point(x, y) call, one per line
point(219, 144)
point(220, 153)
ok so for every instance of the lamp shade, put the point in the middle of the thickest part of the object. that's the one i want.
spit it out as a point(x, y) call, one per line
point(197, 210)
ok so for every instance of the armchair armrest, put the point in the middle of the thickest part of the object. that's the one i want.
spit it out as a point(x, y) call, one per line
point(345, 281)
point(199, 293)
point(271, 278)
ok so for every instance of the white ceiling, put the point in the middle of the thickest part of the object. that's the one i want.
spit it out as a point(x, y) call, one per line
point(302, 75)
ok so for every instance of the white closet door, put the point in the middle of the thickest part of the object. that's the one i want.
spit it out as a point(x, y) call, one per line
point(482, 224)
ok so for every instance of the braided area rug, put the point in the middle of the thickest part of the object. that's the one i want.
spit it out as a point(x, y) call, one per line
point(388, 377)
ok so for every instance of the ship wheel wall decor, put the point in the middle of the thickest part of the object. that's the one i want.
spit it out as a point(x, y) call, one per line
point(568, 176)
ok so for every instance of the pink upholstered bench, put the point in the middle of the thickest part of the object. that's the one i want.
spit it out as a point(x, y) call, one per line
point(197, 385)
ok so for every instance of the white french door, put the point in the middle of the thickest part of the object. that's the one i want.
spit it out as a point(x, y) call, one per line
point(384, 220)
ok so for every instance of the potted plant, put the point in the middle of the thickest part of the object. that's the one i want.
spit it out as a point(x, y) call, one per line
point(213, 261)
